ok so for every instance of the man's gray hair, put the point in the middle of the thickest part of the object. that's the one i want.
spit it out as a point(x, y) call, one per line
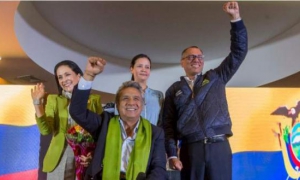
point(191, 47)
point(128, 84)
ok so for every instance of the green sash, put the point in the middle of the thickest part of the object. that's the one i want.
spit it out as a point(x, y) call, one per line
point(139, 156)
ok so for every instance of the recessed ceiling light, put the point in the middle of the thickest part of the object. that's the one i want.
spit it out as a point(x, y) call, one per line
point(0, 58)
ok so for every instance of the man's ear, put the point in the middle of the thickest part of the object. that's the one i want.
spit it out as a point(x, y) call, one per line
point(181, 63)
point(116, 105)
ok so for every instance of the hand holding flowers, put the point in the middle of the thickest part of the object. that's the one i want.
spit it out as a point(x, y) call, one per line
point(83, 146)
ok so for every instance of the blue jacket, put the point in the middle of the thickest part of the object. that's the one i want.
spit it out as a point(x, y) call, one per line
point(206, 114)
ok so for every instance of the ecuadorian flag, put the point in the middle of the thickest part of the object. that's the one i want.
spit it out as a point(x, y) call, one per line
point(19, 135)
point(264, 145)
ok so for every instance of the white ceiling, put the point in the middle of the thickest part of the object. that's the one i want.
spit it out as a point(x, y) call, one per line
point(163, 29)
point(50, 31)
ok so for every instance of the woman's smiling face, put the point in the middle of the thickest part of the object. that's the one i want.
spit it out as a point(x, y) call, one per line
point(141, 69)
point(67, 78)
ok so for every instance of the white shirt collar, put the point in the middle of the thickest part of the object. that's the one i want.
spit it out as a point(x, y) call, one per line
point(188, 79)
point(124, 134)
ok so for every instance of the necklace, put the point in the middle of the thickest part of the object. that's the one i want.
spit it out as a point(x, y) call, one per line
point(144, 90)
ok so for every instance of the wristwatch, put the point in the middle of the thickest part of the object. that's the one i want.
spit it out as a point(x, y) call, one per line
point(38, 101)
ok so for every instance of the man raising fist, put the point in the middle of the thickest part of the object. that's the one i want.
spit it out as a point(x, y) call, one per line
point(196, 111)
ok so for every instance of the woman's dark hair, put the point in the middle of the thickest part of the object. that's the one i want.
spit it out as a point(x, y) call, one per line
point(75, 68)
point(133, 61)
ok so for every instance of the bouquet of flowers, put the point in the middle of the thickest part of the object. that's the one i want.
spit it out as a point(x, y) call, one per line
point(82, 143)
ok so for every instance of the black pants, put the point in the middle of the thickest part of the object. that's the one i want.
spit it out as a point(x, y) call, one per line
point(206, 161)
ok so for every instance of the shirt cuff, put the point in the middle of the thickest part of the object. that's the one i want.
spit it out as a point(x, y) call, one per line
point(236, 20)
point(84, 84)
point(172, 157)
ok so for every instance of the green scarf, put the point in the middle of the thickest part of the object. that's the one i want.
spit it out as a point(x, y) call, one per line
point(139, 156)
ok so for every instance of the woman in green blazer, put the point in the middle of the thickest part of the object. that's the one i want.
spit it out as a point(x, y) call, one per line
point(54, 118)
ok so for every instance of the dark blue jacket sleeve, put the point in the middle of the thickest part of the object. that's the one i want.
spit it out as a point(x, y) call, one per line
point(157, 164)
point(87, 119)
point(238, 51)
point(170, 122)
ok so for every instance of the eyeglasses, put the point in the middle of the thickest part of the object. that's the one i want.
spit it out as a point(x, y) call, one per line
point(192, 57)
